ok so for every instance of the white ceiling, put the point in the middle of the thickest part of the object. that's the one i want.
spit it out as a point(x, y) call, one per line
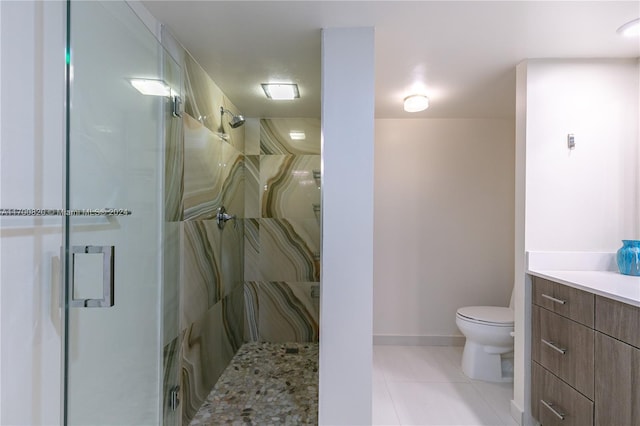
point(463, 53)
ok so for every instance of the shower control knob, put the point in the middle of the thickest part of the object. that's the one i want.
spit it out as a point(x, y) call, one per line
point(222, 217)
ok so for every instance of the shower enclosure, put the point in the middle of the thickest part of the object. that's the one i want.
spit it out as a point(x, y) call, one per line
point(155, 296)
point(121, 246)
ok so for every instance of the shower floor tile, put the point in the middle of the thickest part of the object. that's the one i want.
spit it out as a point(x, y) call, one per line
point(265, 384)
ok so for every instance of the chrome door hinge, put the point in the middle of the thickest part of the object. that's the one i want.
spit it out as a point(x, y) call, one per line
point(174, 399)
point(176, 106)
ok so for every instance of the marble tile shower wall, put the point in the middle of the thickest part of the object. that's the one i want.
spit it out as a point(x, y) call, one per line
point(282, 232)
point(211, 319)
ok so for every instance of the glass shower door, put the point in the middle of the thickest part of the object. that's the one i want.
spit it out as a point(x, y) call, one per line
point(116, 222)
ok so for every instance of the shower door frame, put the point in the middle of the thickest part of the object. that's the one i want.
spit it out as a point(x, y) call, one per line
point(111, 225)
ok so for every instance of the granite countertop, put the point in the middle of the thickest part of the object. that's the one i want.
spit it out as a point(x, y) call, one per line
point(592, 272)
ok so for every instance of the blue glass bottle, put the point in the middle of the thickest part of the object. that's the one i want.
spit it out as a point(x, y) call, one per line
point(628, 257)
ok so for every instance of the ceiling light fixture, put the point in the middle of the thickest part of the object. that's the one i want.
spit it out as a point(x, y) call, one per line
point(151, 87)
point(297, 135)
point(281, 91)
point(630, 29)
point(415, 103)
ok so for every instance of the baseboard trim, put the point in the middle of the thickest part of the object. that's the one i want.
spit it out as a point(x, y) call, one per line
point(517, 413)
point(418, 340)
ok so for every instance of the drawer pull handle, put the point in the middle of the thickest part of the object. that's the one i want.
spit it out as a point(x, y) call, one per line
point(553, 410)
point(553, 299)
point(553, 346)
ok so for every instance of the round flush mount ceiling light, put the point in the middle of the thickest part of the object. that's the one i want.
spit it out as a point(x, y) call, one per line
point(630, 29)
point(415, 103)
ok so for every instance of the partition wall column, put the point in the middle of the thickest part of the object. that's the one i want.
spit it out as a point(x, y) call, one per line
point(347, 226)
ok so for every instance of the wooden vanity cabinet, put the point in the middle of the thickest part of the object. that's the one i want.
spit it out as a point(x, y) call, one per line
point(585, 358)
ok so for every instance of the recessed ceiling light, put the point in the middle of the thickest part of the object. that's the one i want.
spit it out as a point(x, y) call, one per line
point(151, 87)
point(415, 103)
point(630, 29)
point(297, 135)
point(281, 91)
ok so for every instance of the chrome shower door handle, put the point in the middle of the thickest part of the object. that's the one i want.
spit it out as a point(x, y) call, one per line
point(107, 290)
point(222, 217)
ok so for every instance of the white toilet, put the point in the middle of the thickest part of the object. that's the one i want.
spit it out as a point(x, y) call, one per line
point(488, 351)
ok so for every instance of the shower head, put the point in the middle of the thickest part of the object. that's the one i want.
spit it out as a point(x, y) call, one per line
point(236, 120)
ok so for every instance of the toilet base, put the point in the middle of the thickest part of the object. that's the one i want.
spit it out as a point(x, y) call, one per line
point(487, 363)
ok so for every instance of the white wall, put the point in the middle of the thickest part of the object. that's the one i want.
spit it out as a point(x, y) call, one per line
point(31, 151)
point(347, 226)
point(586, 199)
point(444, 227)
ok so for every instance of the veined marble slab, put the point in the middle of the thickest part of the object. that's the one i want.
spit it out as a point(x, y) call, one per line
point(212, 265)
point(278, 311)
point(203, 99)
point(231, 256)
point(252, 249)
point(287, 312)
point(212, 295)
point(203, 360)
point(275, 136)
point(232, 175)
point(282, 232)
point(251, 309)
point(213, 173)
point(289, 250)
point(252, 136)
point(202, 171)
point(290, 185)
point(252, 186)
point(210, 341)
point(233, 318)
point(201, 274)
point(171, 281)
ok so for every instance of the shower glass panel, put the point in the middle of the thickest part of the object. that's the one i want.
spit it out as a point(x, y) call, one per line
point(116, 223)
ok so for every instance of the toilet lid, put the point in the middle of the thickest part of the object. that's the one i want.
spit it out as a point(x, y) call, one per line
point(488, 314)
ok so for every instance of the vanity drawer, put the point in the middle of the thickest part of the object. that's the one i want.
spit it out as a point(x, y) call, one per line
point(553, 402)
point(563, 347)
point(618, 320)
point(566, 301)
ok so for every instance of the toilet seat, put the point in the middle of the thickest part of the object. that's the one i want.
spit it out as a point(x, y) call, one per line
point(495, 316)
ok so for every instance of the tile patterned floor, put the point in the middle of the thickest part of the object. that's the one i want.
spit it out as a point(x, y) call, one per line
point(265, 384)
point(424, 385)
point(412, 385)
